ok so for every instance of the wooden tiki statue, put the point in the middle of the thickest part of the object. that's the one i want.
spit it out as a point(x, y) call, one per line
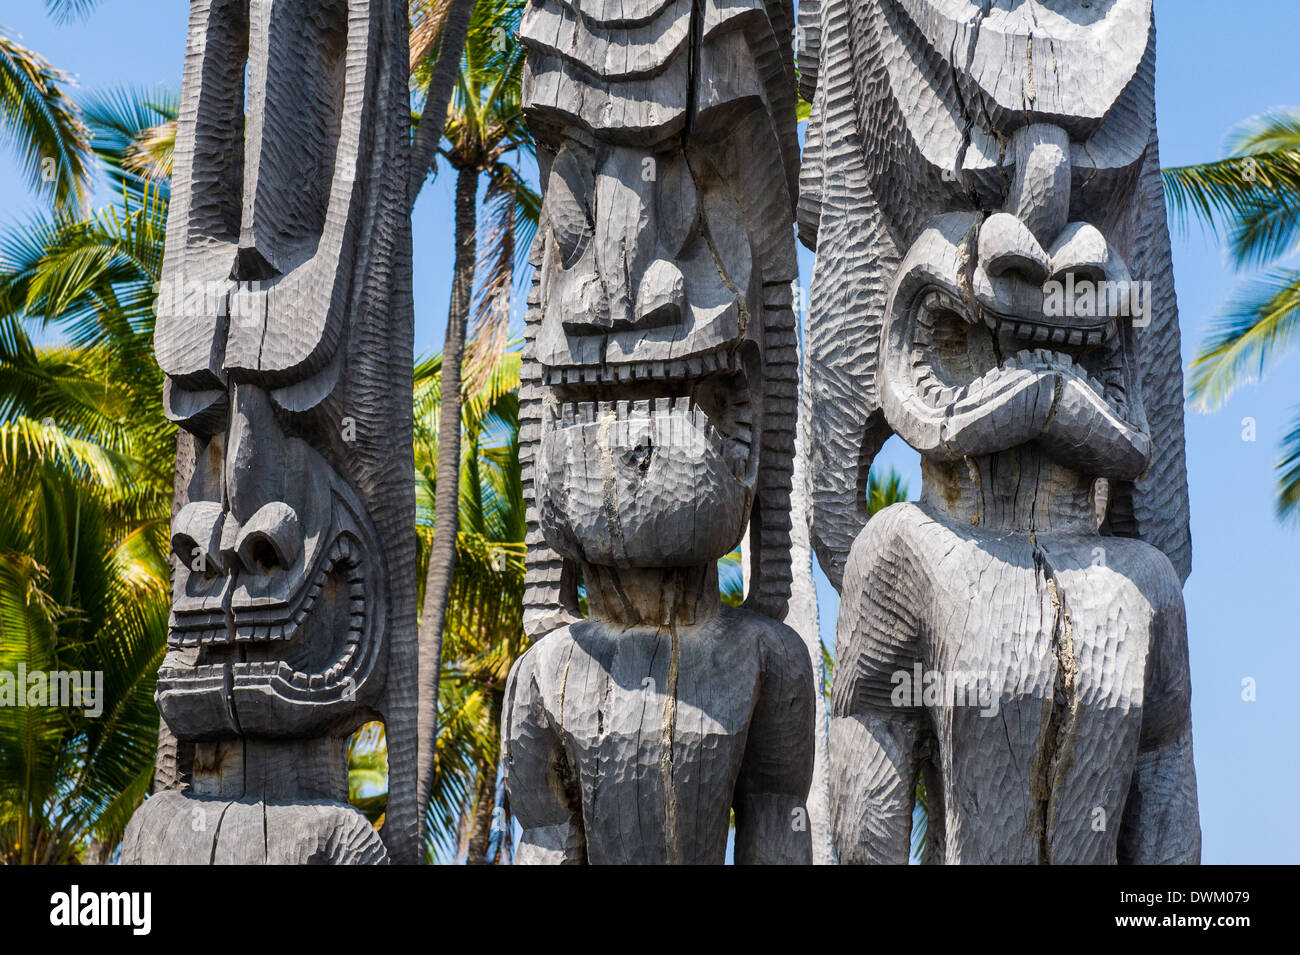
point(993, 285)
point(659, 406)
point(285, 332)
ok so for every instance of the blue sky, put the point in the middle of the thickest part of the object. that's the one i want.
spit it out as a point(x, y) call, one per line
point(1217, 64)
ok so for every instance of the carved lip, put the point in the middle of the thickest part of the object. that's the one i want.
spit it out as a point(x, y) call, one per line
point(711, 390)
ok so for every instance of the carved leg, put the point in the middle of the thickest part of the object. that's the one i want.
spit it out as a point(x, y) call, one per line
point(873, 790)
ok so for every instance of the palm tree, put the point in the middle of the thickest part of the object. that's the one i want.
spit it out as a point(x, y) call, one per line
point(438, 32)
point(94, 280)
point(75, 597)
point(483, 631)
point(1254, 197)
point(485, 125)
point(86, 475)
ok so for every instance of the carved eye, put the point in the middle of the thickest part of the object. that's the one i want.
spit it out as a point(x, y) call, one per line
point(568, 202)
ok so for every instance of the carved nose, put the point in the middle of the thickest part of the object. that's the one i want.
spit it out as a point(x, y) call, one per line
point(271, 538)
point(256, 447)
point(196, 536)
point(1040, 192)
point(661, 296)
point(1007, 247)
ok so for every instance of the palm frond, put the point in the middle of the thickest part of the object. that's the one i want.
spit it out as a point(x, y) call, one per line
point(23, 441)
point(1288, 482)
point(44, 125)
point(1259, 321)
point(150, 156)
point(1253, 195)
point(731, 579)
point(133, 133)
point(64, 11)
point(884, 490)
point(427, 19)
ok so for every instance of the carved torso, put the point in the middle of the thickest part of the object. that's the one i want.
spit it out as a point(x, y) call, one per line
point(177, 825)
point(1049, 674)
point(648, 731)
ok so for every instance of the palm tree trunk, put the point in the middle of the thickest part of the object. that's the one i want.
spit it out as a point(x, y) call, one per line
point(442, 554)
point(485, 798)
point(441, 83)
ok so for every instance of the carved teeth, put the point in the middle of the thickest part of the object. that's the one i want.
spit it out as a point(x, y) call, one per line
point(205, 636)
point(656, 370)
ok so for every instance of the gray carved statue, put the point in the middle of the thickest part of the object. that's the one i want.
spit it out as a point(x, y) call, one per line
point(285, 333)
point(658, 412)
point(993, 285)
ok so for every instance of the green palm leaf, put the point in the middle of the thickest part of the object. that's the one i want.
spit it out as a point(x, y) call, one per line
point(1261, 320)
point(47, 134)
point(1254, 194)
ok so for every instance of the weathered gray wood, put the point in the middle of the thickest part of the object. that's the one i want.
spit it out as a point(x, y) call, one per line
point(804, 618)
point(1017, 636)
point(658, 410)
point(285, 332)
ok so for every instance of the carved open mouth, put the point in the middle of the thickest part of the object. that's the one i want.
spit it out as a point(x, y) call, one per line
point(711, 391)
point(956, 356)
point(313, 644)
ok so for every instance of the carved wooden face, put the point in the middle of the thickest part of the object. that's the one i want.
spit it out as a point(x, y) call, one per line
point(651, 347)
point(279, 604)
point(987, 334)
point(1016, 211)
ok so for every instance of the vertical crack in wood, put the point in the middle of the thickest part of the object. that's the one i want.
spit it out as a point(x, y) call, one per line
point(666, 752)
point(1055, 752)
